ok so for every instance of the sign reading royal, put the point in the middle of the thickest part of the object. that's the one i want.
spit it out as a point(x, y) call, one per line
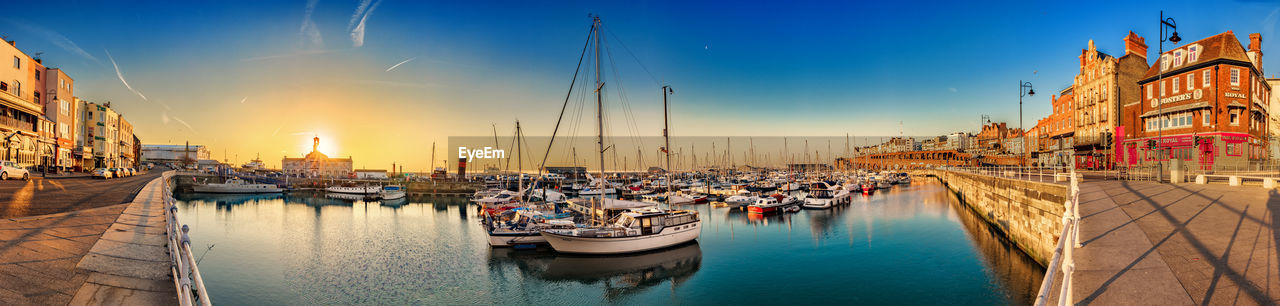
point(485, 153)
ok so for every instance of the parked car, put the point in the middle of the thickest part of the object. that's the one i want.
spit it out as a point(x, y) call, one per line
point(127, 171)
point(103, 173)
point(10, 169)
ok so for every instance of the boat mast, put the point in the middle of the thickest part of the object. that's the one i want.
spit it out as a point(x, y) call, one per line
point(599, 110)
point(666, 136)
point(519, 166)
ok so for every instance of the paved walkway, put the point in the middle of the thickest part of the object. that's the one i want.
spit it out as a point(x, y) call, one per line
point(39, 196)
point(108, 255)
point(1166, 244)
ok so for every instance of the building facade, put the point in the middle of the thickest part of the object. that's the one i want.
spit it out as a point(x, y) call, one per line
point(60, 107)
point(124, 143)
point(101, 132)
point(1098, 89)
point(1201, 103)
point(316, 164)
point(20, 106)
point(173, 153)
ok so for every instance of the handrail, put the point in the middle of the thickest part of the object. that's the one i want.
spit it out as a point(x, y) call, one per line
point(1063, 255)
point(186, 276)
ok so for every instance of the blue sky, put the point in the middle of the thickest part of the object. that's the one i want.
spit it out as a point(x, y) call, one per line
point(251, 77)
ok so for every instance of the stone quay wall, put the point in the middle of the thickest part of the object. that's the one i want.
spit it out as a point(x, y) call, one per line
point(1028, 213)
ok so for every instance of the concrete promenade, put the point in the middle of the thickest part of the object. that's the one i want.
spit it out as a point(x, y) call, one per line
point(1148, 243)
point(112, 254)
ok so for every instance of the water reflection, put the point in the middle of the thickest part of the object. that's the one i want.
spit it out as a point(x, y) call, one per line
point(906, 245)
point(618, 276)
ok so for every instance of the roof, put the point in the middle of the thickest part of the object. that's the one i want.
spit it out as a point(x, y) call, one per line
point(1223, 46)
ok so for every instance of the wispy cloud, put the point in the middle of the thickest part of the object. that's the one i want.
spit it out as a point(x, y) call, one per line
point(245, 99)
point(273, 134)
point(309, 31)
point(355, 17)
point(357, 32)
point(55, 38)
point(184, 123)
point(401, 63)
point(165, 118)
point(121, 76)
point(952, 89)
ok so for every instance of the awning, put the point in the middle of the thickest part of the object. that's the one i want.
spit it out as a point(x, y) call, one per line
point(1197, 105)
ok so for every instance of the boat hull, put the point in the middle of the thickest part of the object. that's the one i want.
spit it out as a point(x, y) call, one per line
point(669, 236)
point(500, 240)
point(245, 190)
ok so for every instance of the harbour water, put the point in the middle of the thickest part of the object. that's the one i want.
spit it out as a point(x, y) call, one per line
point(909, 245)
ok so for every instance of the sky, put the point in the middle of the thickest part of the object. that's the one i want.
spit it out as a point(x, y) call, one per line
point(381, 80)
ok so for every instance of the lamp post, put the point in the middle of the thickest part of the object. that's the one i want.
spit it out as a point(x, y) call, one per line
point(1024, 89)
point(1165, 23)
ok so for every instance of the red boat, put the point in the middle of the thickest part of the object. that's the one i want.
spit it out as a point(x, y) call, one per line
point(772, 204)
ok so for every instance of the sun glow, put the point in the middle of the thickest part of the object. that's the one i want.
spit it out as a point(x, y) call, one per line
point(328, 145)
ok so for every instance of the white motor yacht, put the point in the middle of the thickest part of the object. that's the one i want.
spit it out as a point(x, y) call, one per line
point(236, 185)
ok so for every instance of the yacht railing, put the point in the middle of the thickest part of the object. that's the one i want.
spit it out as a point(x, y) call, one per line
point(186, 276)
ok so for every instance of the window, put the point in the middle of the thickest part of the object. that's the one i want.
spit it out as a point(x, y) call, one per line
point(1175, 84)
point(1204, 115)
point(17, 63)
point(1191, 81)
point(1178, 56)
point(1193, 53)
point(36, 95)
point(1234, 149)
point(1206, 78)
point(1148, 91)
point(64, 107)
point(37, 75)
point(1162, 88)
point(1235, 77)
point(1164, 62)
point(1235, 117)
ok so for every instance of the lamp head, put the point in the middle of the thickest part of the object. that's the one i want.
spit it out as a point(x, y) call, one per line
point(1174, 38)
point(1031, 92)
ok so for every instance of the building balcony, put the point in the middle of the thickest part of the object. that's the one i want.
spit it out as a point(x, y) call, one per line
point(9, 99)
point(14, 123)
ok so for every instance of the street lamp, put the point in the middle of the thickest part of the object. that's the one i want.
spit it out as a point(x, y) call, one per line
point(1165, 23)
point(1024, 89)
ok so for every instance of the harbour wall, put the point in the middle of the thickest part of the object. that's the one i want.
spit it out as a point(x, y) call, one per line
point(1028, 213)
point(185, 181)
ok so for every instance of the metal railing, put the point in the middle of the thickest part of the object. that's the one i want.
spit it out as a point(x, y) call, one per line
point(186, 276)
point(1035, 174)
point(1063, 255)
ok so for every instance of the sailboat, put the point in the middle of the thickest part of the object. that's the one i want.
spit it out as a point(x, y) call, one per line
point(637, 229)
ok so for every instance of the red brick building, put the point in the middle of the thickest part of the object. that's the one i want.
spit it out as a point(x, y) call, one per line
point(1203, 103)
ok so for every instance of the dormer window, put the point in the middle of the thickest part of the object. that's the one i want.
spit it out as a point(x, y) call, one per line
point(1178, 56)
point(1164, 62)
point(1193, 53)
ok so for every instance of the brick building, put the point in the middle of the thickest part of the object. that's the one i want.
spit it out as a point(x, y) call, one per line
point(1058, 130)
point(1202, 103)
point(1102, 83)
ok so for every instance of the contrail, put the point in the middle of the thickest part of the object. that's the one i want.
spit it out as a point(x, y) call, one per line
point(364, 4)
point(184, 123)
point(401, 63)
point(273, 134)
point(309, 29)
point(121, 76)
point(242, 100)
point(357, 33)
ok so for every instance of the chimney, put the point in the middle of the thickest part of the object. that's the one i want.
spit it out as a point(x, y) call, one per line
point(1255, 50)
point(1134, 44)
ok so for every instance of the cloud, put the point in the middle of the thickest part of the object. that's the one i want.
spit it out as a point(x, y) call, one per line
point(355, 17)
point(357, 33)
point(273, 134)
point(121, 76)
point(184, 123)
point(394, 83)
point(309, 31)
point(56, 39)
point(242, 100)
point(401, 63)
point(952, 89)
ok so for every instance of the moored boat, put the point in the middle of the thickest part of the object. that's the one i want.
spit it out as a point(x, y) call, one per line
point(236, 185)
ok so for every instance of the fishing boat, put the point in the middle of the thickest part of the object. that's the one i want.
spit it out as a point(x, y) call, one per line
point(823, 195)
point(236, 185)
point(392, 192)
point(740, 200)
point(772, 204)
point(364, 190)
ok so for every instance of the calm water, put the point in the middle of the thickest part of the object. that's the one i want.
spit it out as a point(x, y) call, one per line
point(909, 245)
